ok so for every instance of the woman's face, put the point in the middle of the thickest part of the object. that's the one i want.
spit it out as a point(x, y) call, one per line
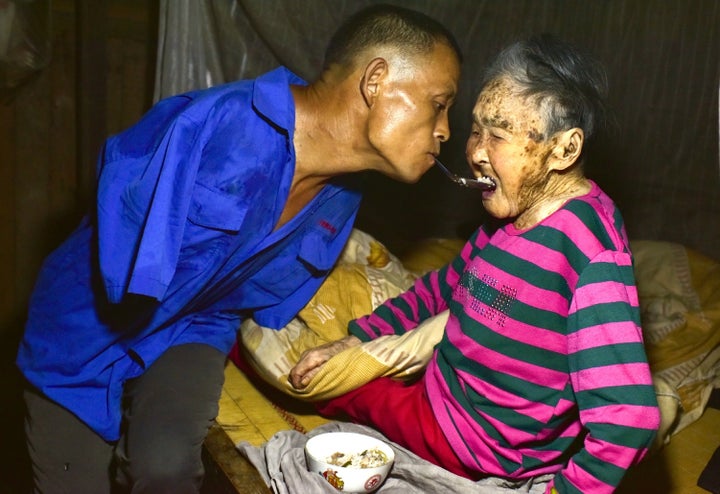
point(507, 143)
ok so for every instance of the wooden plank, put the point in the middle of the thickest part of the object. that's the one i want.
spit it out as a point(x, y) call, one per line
point(129, 94)
point(227, 471)
point(8, 128)
point(114, 85)
point(64, 212)
point(91, 78)
point(135, 67)
point(33, 227)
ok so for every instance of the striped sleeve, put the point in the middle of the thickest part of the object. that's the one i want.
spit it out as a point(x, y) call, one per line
point(427, 297)
point(610, 377)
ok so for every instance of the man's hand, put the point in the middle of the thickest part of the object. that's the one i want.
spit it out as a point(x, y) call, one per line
point(312, 360)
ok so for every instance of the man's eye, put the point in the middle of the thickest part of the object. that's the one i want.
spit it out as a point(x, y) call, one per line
point(440, 106)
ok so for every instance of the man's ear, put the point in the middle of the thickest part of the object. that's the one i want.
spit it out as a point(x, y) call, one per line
point(372, 76)
point(567, 149)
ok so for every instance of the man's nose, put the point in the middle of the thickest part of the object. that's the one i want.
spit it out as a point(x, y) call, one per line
point(442, 130)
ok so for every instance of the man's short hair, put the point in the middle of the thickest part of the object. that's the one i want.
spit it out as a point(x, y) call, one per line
point(388, 25)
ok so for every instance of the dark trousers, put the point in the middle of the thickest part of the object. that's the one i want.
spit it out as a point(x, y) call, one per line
point(166, 415)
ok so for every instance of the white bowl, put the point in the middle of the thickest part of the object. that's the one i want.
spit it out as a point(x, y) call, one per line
point(319, 448)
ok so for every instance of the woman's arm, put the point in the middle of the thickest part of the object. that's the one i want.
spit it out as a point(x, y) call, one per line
point(610, 376)
point(311, 361)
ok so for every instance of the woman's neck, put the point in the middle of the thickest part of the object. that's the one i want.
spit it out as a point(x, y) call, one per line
point(561, 192)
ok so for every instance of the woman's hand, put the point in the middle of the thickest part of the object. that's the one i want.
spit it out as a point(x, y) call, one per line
point(312, 360)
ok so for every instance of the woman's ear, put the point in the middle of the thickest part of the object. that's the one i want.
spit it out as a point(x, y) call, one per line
point(372, 76)
point(567, 149)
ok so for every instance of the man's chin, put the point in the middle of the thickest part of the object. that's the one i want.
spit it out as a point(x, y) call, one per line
point(410, 180)
point(404, 172)
point(415, 175)
point(405, 178)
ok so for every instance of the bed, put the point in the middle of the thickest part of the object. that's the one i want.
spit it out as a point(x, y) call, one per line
point(679, 291)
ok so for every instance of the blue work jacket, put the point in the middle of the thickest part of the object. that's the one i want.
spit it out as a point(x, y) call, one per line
point(181, 248)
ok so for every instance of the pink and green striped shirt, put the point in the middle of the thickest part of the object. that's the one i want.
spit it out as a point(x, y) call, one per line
point(542, 367)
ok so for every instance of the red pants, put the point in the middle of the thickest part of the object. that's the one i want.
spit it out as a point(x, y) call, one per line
point(403, 414)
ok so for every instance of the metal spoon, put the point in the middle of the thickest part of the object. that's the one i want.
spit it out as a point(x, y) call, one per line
point(483, 183)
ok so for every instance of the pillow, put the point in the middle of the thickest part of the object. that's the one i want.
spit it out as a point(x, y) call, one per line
point(679, 291)
point(365, 275)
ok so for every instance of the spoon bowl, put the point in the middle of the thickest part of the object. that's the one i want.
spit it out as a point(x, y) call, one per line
point(482, 183)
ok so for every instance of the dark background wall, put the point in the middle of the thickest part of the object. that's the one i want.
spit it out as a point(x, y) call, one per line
point(663, 63)
point(97, 80)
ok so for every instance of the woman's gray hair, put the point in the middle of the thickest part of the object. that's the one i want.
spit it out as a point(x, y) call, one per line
point(569, 86)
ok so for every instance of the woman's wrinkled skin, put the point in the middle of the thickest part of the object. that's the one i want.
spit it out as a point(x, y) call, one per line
point(534, 174)
point(312, 360)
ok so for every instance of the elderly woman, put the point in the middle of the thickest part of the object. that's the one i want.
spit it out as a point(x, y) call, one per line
point(542, 368)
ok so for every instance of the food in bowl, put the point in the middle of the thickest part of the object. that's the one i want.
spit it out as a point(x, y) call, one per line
point(349, 461)
point(370, 458)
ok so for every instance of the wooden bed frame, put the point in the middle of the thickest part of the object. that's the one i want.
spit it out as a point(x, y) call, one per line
point(226, 471)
